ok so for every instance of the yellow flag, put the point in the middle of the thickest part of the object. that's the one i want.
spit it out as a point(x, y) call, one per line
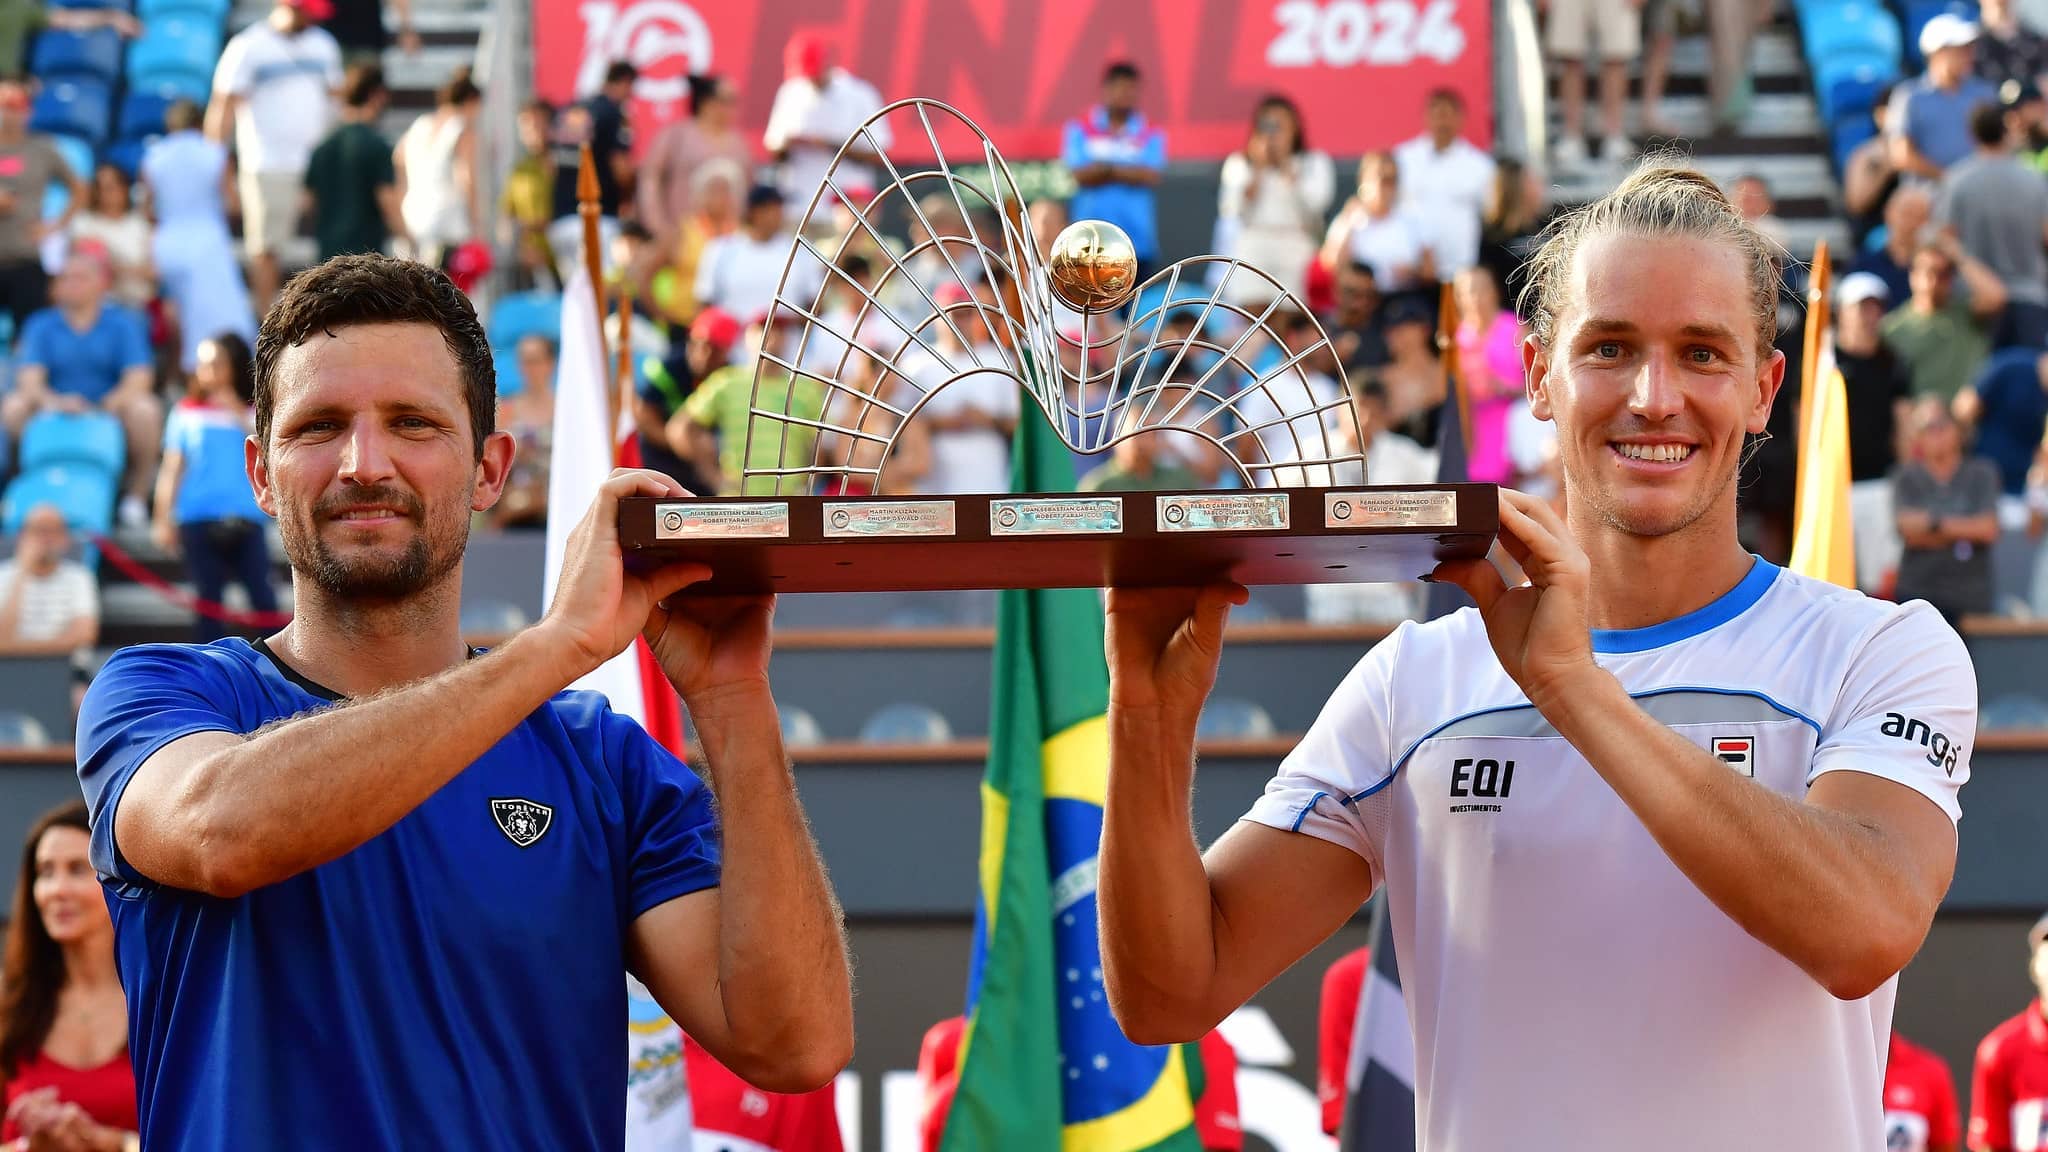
point(1822, 542)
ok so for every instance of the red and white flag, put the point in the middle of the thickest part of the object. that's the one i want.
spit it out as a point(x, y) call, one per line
point(589, 441)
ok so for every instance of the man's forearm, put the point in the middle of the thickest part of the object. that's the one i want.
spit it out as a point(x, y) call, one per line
point(1809, 883)
point(781, 952)
point(302, 792)
point(1158, 927)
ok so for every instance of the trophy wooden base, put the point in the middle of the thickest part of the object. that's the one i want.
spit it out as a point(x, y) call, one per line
point(1363, 534)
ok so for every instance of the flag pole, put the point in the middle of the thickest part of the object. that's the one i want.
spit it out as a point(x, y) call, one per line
point(588, 206)
point(1447, 356)
point(1809, 364)
point(622, 392)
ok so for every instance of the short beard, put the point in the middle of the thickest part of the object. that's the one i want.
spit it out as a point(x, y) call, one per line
point(373, 580)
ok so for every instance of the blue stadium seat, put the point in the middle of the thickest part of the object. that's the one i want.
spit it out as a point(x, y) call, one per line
point(77, 156)
point(142, 116)
point(74, 107)
point(800, 729)
point(214, 11)
point(127, 156)
point(20, 730)
point(84, 440)
point(61, 54)
point(1917, 14)
point(1844, 79)
point(85, 497)
point(523, 314)
point(1855, 95)
point(906, 724)
point(1849, 134)
point(1854, 26)
point(174, 45)
point(1233, 718)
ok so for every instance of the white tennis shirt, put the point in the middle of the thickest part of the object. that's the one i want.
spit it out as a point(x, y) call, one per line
point(1568, 987)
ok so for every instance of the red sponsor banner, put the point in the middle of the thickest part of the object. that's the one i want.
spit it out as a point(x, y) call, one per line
point(1359, 69)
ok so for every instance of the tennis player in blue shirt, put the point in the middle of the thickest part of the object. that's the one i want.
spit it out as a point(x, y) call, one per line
point(372, 889)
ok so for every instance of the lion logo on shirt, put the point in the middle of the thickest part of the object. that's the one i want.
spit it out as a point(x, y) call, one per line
point(522, 821)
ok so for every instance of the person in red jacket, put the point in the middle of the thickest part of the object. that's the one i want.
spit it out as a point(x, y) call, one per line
point(731, 1115)
point(1919, 1101)
point(938, 1074)
point(1343, 983)
point(2009, 1092)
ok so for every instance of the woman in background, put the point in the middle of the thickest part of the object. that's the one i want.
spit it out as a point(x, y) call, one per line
point(1372, 229)
point(110, 217)
point(1490, 360)
point(668, 185)
point(190, 188)
point(1270, 208)
point(436, 165)
point(204, 508)
point(65, 1079)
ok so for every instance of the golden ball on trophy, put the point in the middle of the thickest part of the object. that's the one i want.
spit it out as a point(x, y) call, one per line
point(1093, 266)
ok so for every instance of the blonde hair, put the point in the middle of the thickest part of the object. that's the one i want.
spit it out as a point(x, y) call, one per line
point(1664, 196)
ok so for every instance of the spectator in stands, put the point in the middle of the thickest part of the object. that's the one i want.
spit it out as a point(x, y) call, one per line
point(276, 84)
point(2008, 50)
point(528, 202)
point(970, 418)
point(358, 26)
point(720, 186)
point(1141, 463)
point(600, 122)
point(1929, 118)
point(1574, 26)
point(2009, 1085)
point(1946, 507)
point(1943, 334)
point(739, 272)
point(1509, 229)
point(2026, 118)
point(1907, 214)
point(1490, 360)
point(436, 173)
point(529, 416)
point(1751, 195)
point(1869, 177)
point(723, 406)
point(65, 1080)
point(669, 171)
point(2007, 406)
point(1413, 376)
point(1880, 391)
point(29, 164)
point(86, 353)
point(1373, 229)
point(351, 183)
point(816, 111)
point(49, 605)
point(1999, 210)
point(1275, 191)
point(1391, 458)
point(1920, 1113)
point(1354, 325)
point(665, 383)
point(205, 509)
point(1446, 181)
point(111, 220)
point(190, 186)
point(1117, 158)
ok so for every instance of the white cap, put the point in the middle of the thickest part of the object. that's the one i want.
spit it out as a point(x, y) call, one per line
point(1857, 287)
point(1946, 30)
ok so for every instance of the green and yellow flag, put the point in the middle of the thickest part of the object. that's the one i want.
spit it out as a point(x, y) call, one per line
point(1045, 1066)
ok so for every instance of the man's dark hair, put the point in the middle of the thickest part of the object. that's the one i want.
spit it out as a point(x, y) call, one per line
point(1451, 96)
point(362, 84)
point(1120, 70)
point(539, 105)
point(620, 72)
point(1987, 124)
point(351, 290)
point(181, 115)
point(459, 90)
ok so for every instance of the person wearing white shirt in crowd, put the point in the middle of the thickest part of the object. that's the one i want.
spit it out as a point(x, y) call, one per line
point(1446, 181)
point(970, 417)
point(740, 271)
point(49, 605)
point(1390, 458)
point(435, 163)
point(1270, 206)
point(190, 185)
point(276, 83)
point(1373, 229)
point(111, 218)
point(1692, 809)
point(815, 111)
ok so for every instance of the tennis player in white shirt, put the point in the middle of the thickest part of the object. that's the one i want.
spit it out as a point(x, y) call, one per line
point(1658, 828)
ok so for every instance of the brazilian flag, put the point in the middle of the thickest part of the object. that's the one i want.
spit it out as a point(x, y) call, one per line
point(1045, 1067)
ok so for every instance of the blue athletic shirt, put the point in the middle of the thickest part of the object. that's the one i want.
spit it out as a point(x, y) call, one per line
point(441, 986)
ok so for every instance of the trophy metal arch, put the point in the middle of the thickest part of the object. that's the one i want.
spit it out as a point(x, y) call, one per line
point(839, 382)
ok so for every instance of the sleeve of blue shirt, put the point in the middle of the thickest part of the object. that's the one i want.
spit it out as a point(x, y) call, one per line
point(671, 828)
point(1073, 146)
point(142, 699)
point(35, 341)
point(1154, 154)
point(133, 335)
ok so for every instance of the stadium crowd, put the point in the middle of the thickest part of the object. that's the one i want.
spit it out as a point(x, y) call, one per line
point(133, 273)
